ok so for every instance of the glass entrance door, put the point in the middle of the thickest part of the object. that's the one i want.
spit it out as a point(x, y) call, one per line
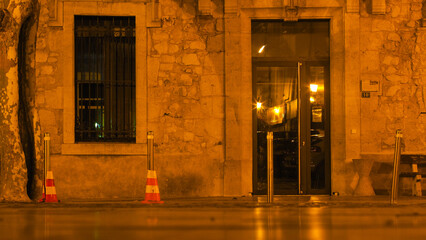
point(290, 95)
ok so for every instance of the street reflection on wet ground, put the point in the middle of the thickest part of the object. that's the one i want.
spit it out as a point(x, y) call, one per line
point(254, 221)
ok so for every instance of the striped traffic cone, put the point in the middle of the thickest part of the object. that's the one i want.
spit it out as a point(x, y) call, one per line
point(50, 188)
point(152, 193)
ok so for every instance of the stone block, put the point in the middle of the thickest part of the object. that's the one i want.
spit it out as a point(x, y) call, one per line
point(211, 85)
point(173, 48)
point(382, 25)
point(188, 136)
point(167, 59)
point(395, 11)
point(394, 37)
point(53, 40)
point(185, 79)
point(214, 128)
point(212, 107)
point(371, 41)
point(391, 91)
point(216, 43)
point(213, 64)
point(39, 98)
point(161, 48)
point(166, 67)
point(176, 35)
point(41, 56)
point(198, 45)
point(370, 61)
point(190, 59)
point(52, 59)
point(396, 78)
point(160, 36)
point(416, 15)
point(54, 98)
point(390, 60)
point(411, 24)
point(46, 70)
point(47, 118)
point(416, 6)
point(219, 25)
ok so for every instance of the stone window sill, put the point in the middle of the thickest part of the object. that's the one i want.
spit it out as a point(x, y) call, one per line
point(104, 149)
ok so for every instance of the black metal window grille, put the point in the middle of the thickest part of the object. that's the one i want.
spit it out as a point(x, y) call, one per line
point(105, 79)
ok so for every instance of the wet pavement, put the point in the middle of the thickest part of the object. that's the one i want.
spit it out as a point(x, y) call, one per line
point(218, 218)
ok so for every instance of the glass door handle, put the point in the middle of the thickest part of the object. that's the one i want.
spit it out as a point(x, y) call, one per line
point(303, 143)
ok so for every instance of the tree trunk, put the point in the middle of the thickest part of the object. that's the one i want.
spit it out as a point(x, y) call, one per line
point(13, 172)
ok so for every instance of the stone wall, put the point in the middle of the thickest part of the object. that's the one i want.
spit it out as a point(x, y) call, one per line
point(185, 102)
point(391, 52)
point(391, 47)
point(185, 98)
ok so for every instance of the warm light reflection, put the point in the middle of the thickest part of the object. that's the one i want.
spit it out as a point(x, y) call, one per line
point(261, 49)
point(277, 110)
point(314, 87)
point(259, 105)
point(315, 228)
point(312, 99)
point(260, 225)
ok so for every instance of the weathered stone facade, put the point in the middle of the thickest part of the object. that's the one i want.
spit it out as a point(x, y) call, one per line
point(194, 91)
point(391, 49)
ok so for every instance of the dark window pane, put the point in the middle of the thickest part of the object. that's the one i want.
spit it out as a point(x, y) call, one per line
point(105, 79)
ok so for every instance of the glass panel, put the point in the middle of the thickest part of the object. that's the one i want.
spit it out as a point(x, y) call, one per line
point(290, 40)
point(318, 133)
point(276, 111)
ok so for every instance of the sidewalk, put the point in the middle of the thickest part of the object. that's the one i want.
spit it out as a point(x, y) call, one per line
point(237, 202)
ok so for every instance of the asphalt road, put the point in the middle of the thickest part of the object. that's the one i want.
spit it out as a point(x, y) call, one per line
point(214, 221)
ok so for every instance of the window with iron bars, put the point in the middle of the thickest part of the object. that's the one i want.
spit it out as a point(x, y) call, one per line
point(105, 106)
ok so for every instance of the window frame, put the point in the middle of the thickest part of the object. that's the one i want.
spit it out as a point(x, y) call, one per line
point(67, 68)
point(114, 109)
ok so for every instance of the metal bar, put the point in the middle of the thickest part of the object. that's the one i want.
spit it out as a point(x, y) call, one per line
point(299, 135)
point(47, 166)
point(91, 67)
point(270, 165)
point(150, 150)
point(395, 175)
point(46, 159)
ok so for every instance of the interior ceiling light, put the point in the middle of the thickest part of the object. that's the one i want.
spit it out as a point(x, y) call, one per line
point(314, 87)
point(261, 48)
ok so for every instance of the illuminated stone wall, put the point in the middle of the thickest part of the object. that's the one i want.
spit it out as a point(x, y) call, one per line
point(392, 46)
point(185, 98)
point(196, 94)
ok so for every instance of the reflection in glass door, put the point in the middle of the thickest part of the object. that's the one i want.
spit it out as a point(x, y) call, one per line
point(276, 97)
point(290, 96)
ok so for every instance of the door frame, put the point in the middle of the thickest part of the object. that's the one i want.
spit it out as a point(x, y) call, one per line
point(305, 120)
point(304, 115)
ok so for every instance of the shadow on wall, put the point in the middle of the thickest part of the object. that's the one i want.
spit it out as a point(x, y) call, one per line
point(26, 75)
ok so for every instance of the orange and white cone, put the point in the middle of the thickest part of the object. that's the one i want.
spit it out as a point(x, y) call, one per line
point(50, 195)
point(152, 193)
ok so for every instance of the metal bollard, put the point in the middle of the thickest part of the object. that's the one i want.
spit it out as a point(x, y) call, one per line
point(46, 157)
point(270, 166)
point(150, 149)
point(395, 173)
point(46, 154)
